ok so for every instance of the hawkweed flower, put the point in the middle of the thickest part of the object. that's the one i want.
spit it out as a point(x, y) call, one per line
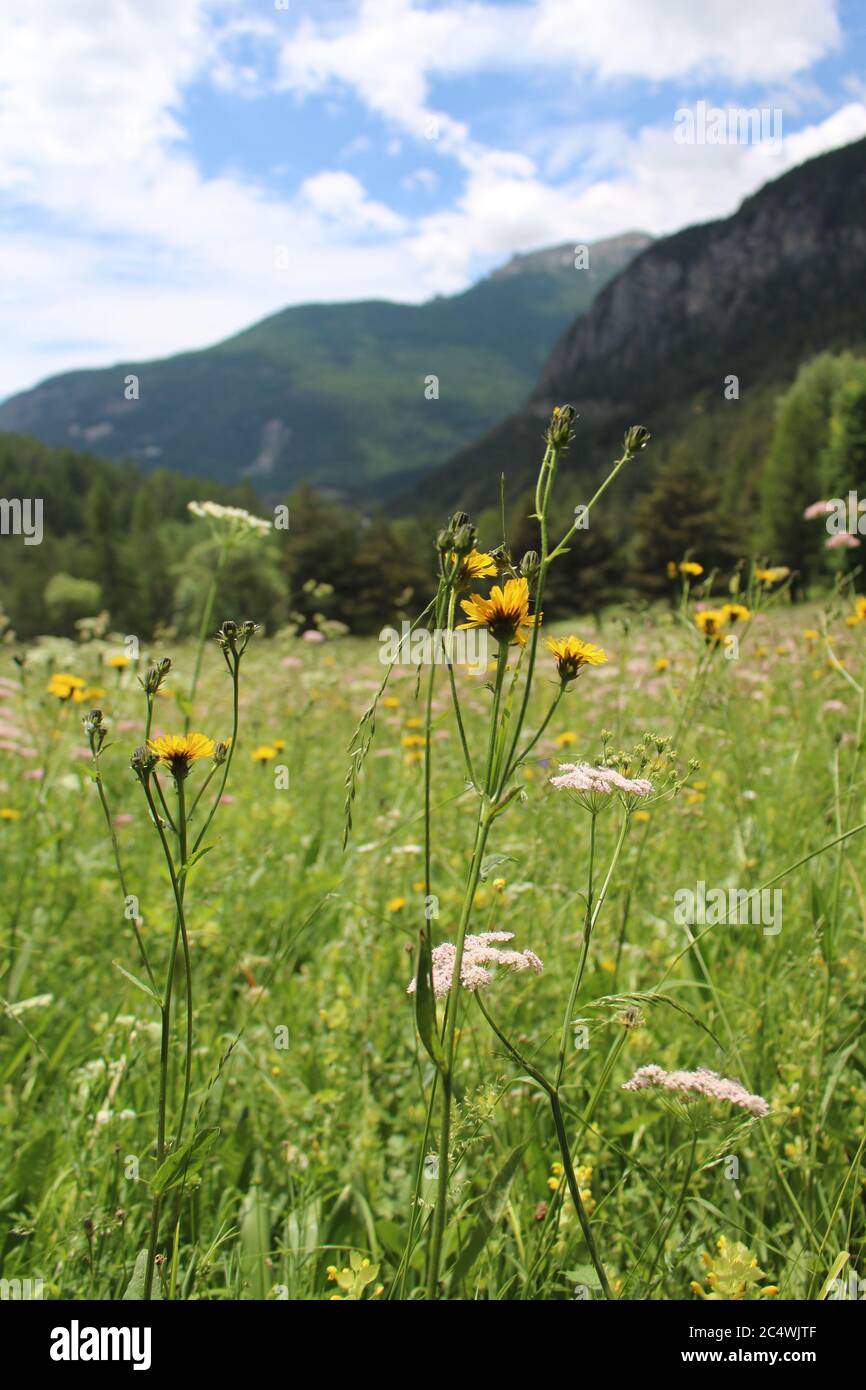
point(505, 614)
point(560, 431)
point(710, 622)
point(265, 753)
point(774, 575)
point(691, 569)
point(571, 655)
point(471, 567)
point(95, 730)
point(458, 537)
point(179, 751)
point(479, 952)
point(63, 686)
point(118, 663)
point(233, 638)
point(735, 613)
point(143, 761)
point(701, 1083)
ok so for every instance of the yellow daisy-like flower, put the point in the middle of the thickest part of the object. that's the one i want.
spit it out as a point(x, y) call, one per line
point(179, 751)
point(395, 904)
point(811, 634)
point(391, 702)
point(505, 613)
point(9, 813)
point(662, 663)
point(62, 685)
point(118, 663)
point(572, 655)
point(672, 569)
point(279, 744)
point(736, 612)
point(565, 739)
point(710, 621)
point(264, 753)
point(774, 575)
point(691, 568)
point(88, 695)
point(860, 607)
point(476, 565)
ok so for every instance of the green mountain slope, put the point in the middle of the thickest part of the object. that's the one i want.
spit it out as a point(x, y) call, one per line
point(751, 296)
point(331, 394)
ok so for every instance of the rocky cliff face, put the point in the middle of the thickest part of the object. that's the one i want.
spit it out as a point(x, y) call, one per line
point(752, 295)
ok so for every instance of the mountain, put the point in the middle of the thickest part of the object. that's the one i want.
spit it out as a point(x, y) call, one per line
point(331, 394)
point(750, 296)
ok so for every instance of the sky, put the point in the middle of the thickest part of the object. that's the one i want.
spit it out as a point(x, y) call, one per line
point(173, 171)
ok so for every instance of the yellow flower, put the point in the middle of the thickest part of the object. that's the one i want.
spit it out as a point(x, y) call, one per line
point(642, 817)
point(672, 569)
point(475, 565)
point(391, 702)
point(505, 613)
point(413, 741)
point(710, 620)
point(118, 663)
point(565, 739)
point(691, 568)
point(811, 634)
point(395, 904)
point(264, 753)
point(179, 751)
point(771, 576)
point(9, 813)
point(860, 606)
point(736, 612)
point(414, 723)
point(88, 695)
point(62, 685)
point(278, 743)
point(662, 663)
point(571, 654)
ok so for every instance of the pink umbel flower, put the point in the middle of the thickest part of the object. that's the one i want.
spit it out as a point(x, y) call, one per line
point(843, 540)
point(699, 1083)
point(816, 509)
point(479, 952)
point(593, 786)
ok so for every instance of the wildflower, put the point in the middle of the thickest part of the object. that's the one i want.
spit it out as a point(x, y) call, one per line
point(479, 952)
point(572, 655)
point(637, 437)
point(843, 540)
point(458, 537)
point(566, 738)
point(62, 686)
point(395, 904)
point(233, 521)
point(662, 663)
point(559, 431)
point(179, 751)
point(391, 702)
point(264, 753)
point(593, 786)
point(154, 676)
point(699, 1083)
point(355, 1279)
point(9, 813)
point(118, 663)
point(774, 575)
point(732, 1274)
point(691, 568)
point(710, 622)
point(816, 509)
point(860, 607)
point(811, 634)
point(312, 634)
point(505, 613)
point(736, 612)
point(476, 565)
point(833, 707)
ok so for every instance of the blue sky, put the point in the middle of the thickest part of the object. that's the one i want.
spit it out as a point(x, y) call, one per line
point(171, 172)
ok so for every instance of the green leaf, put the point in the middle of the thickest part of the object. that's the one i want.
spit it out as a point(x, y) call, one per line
point(184, 1162)
point(139, 984)
point(487, 1215)
point(493, 861)
point(135, 1287)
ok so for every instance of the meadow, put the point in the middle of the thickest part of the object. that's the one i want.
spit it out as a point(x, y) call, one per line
point(315, 1129)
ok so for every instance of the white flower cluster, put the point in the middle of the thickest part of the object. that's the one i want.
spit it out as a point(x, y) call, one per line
point(235, 518)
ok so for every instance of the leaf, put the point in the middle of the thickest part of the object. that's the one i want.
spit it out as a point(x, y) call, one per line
point(184, 1162)
point(425, 1007)
point(139, 984)
point(255, 1225)
point(838, 1264)
point(135, 1287)
point(583, 1274)
point(488, 1215)
point(493, 861)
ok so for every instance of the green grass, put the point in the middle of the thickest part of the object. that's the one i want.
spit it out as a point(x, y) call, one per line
point(319, 1140)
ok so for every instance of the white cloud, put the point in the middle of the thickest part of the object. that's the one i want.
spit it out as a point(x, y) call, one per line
point(117, 246)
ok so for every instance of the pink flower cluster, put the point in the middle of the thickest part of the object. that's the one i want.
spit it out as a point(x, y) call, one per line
point(478, 953)
point(580, 777)
point(699, 1083)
